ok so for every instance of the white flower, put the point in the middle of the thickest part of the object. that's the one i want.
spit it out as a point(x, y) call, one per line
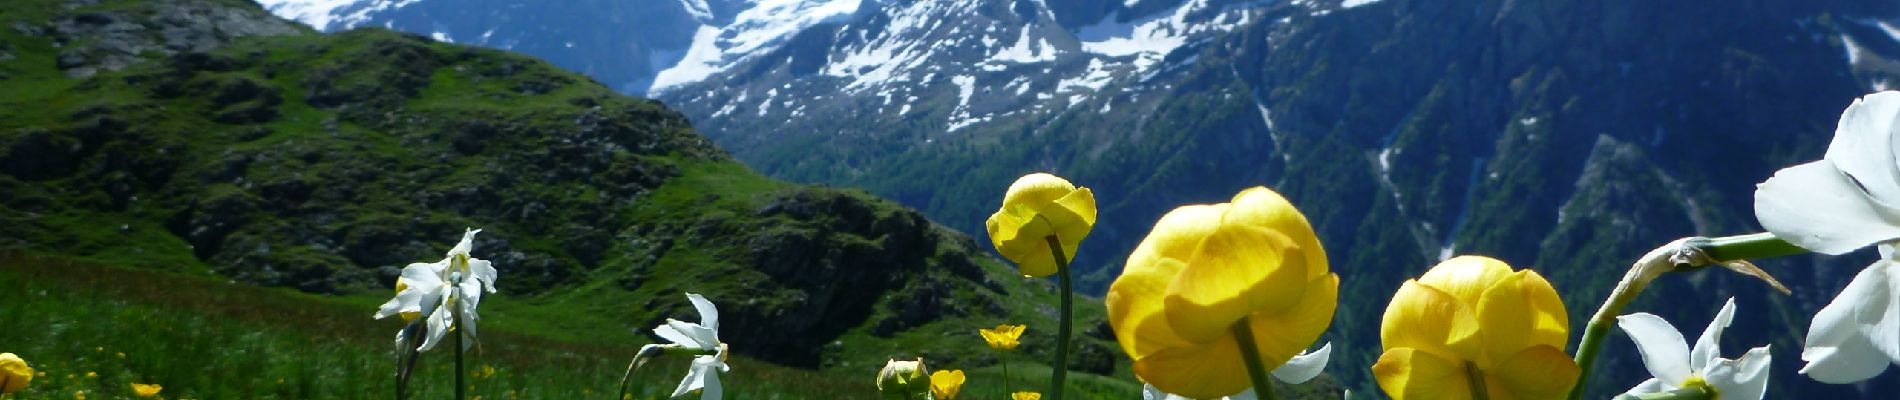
point(1301, 368)
point(1848, 200)
point(1676, 366)
point(704, 374)
point(455, 283)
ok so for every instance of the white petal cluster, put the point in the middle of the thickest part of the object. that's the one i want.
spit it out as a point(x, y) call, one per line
point(1674, 365)
point(1848, 200)
point(704, 373)
point(445, 293)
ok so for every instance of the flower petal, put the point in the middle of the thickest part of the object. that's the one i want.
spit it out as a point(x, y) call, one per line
point(1200, 371)
point(1304, 367)
point(1879, 313)
point(710, 378)
point(438, 327)
point(1708, 348)
point(1263, 207)
point(1073, 216)
point(695, 379)
point(1665, 353)
point(708, 314)
point(1653, 385)
point(1412, 374)
point(1424, 318)
point(424, 276)
point(1817, 207)
point(1134, 300)
point(1837, 350)
point(1865, 142)
point(696, 336)
point(667, 332)
point(1283, 335)
point(467, 244)
point(405, 301)
point(484, 271)
point(1466, 277)
point(1741, 379)
point(1519, 311)
point(1036, 188)
point(1238, 270)
point(1538, 372)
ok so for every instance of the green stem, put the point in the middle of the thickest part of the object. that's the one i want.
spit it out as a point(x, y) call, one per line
point(1475, 378)
point(1681, 255)
point(1250, 355)
point(1061, 368)
point(1746, 247)
point(1690, 393)
point(1006, 389)
point(456, 319)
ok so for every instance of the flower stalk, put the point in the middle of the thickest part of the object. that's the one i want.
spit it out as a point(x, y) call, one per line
point(1061, 372)
point(456, 314)
point(1250, 355)
point(1686, 254)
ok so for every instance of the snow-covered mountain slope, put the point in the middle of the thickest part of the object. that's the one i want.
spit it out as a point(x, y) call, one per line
point(634, 46)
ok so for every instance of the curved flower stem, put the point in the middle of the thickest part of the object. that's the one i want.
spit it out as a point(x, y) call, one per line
point(1061, 367)
point(1692, 393)
point(1250, 354)
point(1686, 254)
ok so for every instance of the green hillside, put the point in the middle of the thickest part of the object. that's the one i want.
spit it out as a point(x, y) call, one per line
point(200, 149)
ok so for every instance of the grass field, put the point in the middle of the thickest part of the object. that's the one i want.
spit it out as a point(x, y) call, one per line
point(97, 330)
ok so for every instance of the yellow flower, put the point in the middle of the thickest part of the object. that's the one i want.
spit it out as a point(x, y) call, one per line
point(944, 384)
point(904, 379)
point(485, 372)
point(90, 374)
point(1201, 270)
point(146, 390)
point(121, 354)
point(1473, 320)
point(1026, 396)
point(79, 395)
point(1037, 206)
point(1004, 337)
point(14, 373)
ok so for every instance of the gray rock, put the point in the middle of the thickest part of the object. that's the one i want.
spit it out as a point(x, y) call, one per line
point(113, 40)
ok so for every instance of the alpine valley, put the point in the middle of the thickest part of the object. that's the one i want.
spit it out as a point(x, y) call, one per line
point(1566, 136)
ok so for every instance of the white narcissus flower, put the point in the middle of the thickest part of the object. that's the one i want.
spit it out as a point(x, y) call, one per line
point(1301, 368)
point(1677, 366)
point(1848, 200)
point(704, 374)
point(431, 290)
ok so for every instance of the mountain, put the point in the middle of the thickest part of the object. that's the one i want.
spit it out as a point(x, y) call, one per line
point(632, 46)
point(208, 138)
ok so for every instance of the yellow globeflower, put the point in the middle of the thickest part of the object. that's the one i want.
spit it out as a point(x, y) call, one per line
point(944, 384)
point(1025, 396)
point(1473, 321)
point(1004, 337)
point(1202, 269)
point(1039, 205)
point(146, 390)
point(14, 373)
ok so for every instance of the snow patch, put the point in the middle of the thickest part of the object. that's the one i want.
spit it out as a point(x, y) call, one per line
point(702, 59)
point(316, 13)
point(1026, 52)
point(1853, 50)
point(960, 117)
point(1355, 3)
point(698, 9)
